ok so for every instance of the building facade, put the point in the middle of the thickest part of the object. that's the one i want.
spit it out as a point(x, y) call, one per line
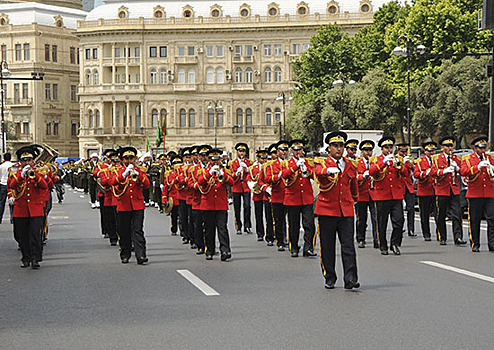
point(39, 38)
point(212, 72)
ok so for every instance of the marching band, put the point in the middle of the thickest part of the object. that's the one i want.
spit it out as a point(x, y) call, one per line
point(193, 189)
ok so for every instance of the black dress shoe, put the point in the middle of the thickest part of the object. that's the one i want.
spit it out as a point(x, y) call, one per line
point(361, 244)
point(395, 249)
point(248, 231)
point(384, 252)
point(351, 285)
point(442, 243)
point(193, 246)
point(427, 239)
point(142, 261)
point(209, 257)
point(106, 236)
point(294, 255)
point(200, 251)
point(412, 234)
point(185, 241)
point(35, 265)
point(125, 260)
point(281, 248)
point(475, 250)
point(239, 232)
point(225, 256)
point(376, 245)
point(174, 234)
point(113, 244)
point(460, 242)
point(309, 253)
point(329, 285)
point(270, 244)
point(260, 239)
point(25, 263)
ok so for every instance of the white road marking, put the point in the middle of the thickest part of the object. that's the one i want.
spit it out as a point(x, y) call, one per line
point(198, 283)
point(460, 271)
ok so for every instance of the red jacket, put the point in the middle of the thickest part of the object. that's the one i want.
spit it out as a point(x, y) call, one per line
point(262, 183)
point(106, 175)
point(273, 169)
point(240, 185)
point(129, 192)
point(388, 181)
point(213, 192)
point(171, 185)
point(194, 172)
point(338, 191)
point(28, 194)
point(480, 184)
point(444, 182)
point(407, 178)
point(96, 174)
point(254, 175)
point(425, 183)
point(298, 189)
point(364, 184)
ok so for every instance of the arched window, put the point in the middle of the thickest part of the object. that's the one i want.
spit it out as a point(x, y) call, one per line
point(210, 117)
point(183, 118)
point(220, 77)
point(154, 117)
point(125, 116)
point(277, 75)
point(88, 77)
point(191, 79)
point(163, 76)
point(267, 75)
point(219, 117)
point(181, 75)
point(96, 77)
point(192, 118)
point(98, 119)
point(238, 75)
point(163, 114)
point(249, 75)
point(154, 76)
point(239, 117)
point(138, 118)
point(210, 75)
point(248, 120)
point(269, 116)
point(277, 114)
point(91, 119)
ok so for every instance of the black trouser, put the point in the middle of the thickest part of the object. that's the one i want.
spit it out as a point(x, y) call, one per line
point(410, 209)
point(157, 194)
point(216, 220)
point(478, 207)
point(174, 219)
point(385, 209)
point(102, 214)
point(60, 190)
point(361, 210)
point(85, 183)
point(93, 189)
point(145, 194)
point(110, 218)
point(279, 216)
point(258, 209)
point(28, 231)
point(3, 199)
point(130, 225)
point(185, 221)
point(198, 228)
point(426, 207)
point(451, 203)
point(268, 213)
point(307, 213)
point(236, 206)
point(328, 226)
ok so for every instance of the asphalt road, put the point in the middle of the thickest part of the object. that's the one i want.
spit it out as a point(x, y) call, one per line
point(84, 298)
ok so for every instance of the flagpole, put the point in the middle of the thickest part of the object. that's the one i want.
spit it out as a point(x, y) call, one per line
point(163, 130)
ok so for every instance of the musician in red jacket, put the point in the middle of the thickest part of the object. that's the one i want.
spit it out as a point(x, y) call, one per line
point(212, 183)
point(277, 193)
point(173, 182)
point(351, 147)
point(388, 195)
point(425, 187)
point(402, 153)
point(239, 168)
point(253, 177)
point(364, 201)
point(299, 199)
point(478, 167)
point(445, 170)
point(267, 190)
point(184, 195)
point(337, 180)
point(26, 186)
point(108, 203)
point(129, 181)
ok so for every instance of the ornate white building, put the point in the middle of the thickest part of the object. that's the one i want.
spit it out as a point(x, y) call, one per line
point(216, 72)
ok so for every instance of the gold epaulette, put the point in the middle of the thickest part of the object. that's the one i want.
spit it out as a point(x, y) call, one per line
point(467, 156)
point(354, 162)
point(284, 163)
point(310, 161)
point(230, 163)
point(435, 156)
point(372, 159)
point(319, 160)
point(415, 161)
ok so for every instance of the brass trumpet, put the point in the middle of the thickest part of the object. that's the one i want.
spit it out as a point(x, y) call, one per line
point(135, 176)
point(31, 174)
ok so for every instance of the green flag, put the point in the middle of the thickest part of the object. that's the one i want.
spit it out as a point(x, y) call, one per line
point(159, 136)
point(148, 144)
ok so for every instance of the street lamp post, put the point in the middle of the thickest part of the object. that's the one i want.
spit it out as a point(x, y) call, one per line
point(283, 96)
point(216, 107)
point(5, 74)
point(341, 83)
point(407, 52)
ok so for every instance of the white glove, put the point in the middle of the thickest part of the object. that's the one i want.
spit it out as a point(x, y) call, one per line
point(303, 168)
point(279, 176)
point(11, 200)
point(212, 171)
point(332, 170)
point(366, 173)
point(269, 190)
point(239, 171)
point(484, 164)
point(449, 170)
point(455, 165)
point(216, 168)
point(25, 170)
point(127, 171)
point(300, 162)
point(388, 158)
point(427, 172)
point(243, 165)
point(407, 159)
point(162, 186)
point(221, 172)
